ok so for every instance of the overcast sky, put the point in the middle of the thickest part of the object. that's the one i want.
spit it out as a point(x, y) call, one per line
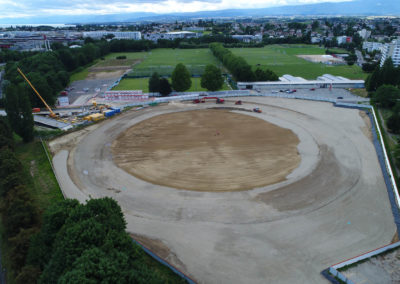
point(27, 8)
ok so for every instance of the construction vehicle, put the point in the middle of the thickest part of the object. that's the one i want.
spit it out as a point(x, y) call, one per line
point(52, 114)
point(258, 110)
point(238, 102)
point(196, 101)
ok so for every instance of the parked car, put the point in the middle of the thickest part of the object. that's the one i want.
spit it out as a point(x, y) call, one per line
point(340, 98)
point(312, 89)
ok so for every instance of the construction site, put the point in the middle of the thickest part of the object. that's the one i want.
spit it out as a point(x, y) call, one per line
point(235, 186)
point(256, 189)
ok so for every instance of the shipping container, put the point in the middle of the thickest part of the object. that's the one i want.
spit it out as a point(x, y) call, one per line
point(109, 113)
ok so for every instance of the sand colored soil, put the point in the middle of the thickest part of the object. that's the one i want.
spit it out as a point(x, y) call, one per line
point(105, 74)
point(322, 58)
point(207, 150)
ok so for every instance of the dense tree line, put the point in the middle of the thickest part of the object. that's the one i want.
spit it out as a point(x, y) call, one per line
point(238, 66)
point(69, 242)
point(7, 55)
point(87, 243)
point(306, 39)
point(385, 75)
point(19, 214)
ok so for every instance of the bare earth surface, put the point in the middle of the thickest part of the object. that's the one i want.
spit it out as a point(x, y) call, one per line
point(322, 58)
point(207, 150)
point(332, 207)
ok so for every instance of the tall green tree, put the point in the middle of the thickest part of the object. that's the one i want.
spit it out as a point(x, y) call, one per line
point(388, 72)
point(386, 96)
point(181, 78)
point(212, 79)
point(6, 135)
point(165, 87)
point(19, 111)
point(27, 122)
point(154, 83)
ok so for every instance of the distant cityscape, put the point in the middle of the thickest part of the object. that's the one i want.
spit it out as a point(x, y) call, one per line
point(377, 36)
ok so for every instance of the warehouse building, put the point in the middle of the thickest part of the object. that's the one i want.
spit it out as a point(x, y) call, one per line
point(291, 82)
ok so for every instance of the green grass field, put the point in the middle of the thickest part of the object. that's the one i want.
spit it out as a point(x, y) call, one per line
point(164, 61)
point(143, 84)
point(40, 177)
point(282, 59)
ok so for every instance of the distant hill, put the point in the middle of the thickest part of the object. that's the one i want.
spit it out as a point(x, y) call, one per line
point(350, 8)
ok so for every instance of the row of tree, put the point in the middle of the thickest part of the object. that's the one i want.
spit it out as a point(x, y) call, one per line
point(19, 213)
point(238, 66)
point(211, 80)
point(383, 85)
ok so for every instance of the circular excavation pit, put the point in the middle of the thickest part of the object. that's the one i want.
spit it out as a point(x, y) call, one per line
point(207, 150)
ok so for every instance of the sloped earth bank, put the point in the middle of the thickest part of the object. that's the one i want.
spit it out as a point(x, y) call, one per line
point(333, 206)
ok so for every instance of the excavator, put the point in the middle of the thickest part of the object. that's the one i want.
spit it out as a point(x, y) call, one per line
point(52, 114)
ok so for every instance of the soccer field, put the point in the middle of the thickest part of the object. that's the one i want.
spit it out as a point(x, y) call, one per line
point(164, 60)
point(282, 59)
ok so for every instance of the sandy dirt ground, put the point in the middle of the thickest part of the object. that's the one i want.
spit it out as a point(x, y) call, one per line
point(207, 150)
point(333, 206)
point(106, 74)
point(322, 58)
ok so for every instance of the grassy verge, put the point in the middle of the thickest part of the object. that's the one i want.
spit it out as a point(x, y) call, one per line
point(359, 92)
point(387, 145)
point(166, 274)
point(83, 73)
point(39, 174)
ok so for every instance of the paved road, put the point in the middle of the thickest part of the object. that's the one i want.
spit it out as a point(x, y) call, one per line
point(360, 58)
point(333, 207)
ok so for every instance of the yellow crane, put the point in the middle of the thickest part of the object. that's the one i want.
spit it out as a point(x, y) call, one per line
point(52, 114)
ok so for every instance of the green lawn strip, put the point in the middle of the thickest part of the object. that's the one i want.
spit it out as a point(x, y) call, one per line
point(359, 92)
point(387, 145)
point(165, 273)
point(83, 73)
point(39, 174)
point(338, 50)
point(283, 59)
point(143, 84)
point(133, 84)
point(79, 76)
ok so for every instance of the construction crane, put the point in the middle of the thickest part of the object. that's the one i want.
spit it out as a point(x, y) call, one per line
point(52, 114)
